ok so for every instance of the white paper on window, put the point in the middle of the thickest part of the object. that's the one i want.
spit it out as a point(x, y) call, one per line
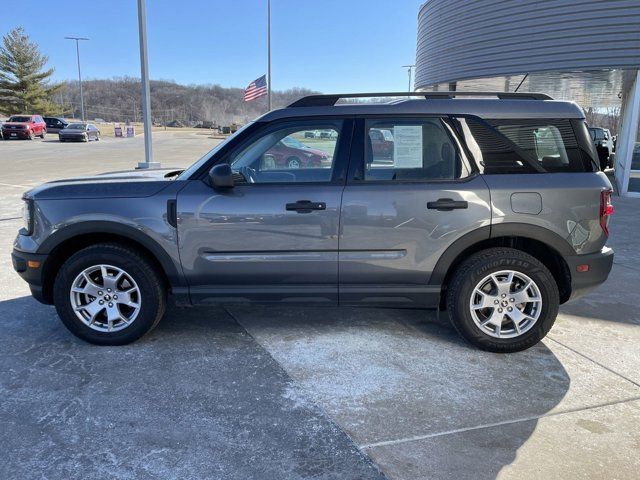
point(407, 146)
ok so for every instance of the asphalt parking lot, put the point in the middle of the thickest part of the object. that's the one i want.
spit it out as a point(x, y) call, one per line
point(293, 393)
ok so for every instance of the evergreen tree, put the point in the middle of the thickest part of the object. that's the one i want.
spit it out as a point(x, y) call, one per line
point(24, 86)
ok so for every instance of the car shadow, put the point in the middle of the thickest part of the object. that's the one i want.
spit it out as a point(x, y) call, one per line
point(409, 391)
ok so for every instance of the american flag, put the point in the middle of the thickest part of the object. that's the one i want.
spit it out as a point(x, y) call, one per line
point(256, 89)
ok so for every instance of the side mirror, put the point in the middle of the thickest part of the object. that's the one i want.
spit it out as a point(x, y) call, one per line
point(221, 176)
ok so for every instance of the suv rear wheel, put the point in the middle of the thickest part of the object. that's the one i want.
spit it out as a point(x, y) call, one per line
point(109, 294)
point(502, 300)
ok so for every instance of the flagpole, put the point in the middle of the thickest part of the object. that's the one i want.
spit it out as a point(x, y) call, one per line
point(269, 55)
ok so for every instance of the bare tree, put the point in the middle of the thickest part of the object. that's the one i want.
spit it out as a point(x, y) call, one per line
point(118, 99)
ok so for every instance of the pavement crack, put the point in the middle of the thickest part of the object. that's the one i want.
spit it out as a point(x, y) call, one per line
point(416, 438)
point(586, 357)
point(9, 218)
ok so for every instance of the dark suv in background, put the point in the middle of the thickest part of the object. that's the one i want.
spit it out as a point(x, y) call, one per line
point(55, 124)
point(493, 209)
point(603, 141)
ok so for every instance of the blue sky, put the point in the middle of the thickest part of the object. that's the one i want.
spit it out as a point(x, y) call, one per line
point(325, 45)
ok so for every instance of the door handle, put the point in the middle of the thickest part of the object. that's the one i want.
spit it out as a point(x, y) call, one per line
point(447, 204)
point(306, 206)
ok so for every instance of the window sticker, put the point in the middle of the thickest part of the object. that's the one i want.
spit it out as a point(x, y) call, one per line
point(407, 146)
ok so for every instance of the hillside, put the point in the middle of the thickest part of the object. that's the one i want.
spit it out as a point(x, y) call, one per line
point(119, 99)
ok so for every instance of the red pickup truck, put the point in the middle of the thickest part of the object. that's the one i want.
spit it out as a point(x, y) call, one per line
point(24, 126)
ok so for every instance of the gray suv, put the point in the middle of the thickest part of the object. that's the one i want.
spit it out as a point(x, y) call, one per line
point(493, 209)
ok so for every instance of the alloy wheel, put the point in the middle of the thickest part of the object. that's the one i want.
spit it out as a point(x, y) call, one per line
point(105, 298)
point(505, 304)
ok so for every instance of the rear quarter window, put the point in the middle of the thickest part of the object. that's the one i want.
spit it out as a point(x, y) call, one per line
point(527, 145)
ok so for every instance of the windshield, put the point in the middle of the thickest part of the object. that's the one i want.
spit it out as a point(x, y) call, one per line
point(293, 143)
point(79, 126)
point(193, 168)
point(18, 118)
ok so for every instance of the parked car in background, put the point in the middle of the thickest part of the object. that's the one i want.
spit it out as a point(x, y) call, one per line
point(292, 153)
point(55, 124)
point(79, 132)
point(603, 141)
point(381, 142)
point(24, 127)
point(635, 157)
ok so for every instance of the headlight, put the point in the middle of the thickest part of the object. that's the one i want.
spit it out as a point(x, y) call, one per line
point(27, 215)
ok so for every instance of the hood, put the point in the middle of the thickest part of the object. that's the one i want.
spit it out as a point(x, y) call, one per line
point(122, 184)
point(320, 153)
point(15, 123)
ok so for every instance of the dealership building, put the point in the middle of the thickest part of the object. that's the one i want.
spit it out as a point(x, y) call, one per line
point(587, 52)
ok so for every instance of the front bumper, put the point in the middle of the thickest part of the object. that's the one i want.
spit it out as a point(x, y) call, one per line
point(600, 264)
point(30, 266)
point(73, 137)
point(21, 134)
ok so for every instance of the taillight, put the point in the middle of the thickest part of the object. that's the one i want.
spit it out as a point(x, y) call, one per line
point(606, 210)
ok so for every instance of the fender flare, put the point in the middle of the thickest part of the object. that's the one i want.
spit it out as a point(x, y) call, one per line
point(510, 229)
point(97, 226)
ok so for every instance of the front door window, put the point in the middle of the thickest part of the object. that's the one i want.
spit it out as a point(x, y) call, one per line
point(290, 154)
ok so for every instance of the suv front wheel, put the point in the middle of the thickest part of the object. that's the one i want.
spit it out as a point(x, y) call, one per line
point(502, 300)
point(109, 294)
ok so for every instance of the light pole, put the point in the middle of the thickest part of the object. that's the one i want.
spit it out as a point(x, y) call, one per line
point(77, 39)
point(409, 68)
point(146, 94)
point(269, 55)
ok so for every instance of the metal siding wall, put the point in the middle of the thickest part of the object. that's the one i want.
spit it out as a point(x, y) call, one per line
point(464, 39)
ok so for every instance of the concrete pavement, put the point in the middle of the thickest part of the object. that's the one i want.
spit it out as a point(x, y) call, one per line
point(274, 392)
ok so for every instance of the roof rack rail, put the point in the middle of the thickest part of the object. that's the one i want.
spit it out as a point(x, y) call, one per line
point(331, 99)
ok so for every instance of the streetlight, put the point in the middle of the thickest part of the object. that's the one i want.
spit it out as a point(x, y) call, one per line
point(77, 39)
point(269, 55)
point(146, 94)
point(409, 68)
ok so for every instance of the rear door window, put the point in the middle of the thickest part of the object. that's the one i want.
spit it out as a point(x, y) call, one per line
point(419, 150)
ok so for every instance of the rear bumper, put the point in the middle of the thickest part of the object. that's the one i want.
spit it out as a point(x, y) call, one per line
point(600, 264)
point(25, 264)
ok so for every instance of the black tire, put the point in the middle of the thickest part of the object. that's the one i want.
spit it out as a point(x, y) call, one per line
point(152, 292)
point(43, 134)
point(477, 267)
point(31, 135)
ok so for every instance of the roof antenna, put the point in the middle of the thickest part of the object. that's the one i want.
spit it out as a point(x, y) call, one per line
point(521, 81)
